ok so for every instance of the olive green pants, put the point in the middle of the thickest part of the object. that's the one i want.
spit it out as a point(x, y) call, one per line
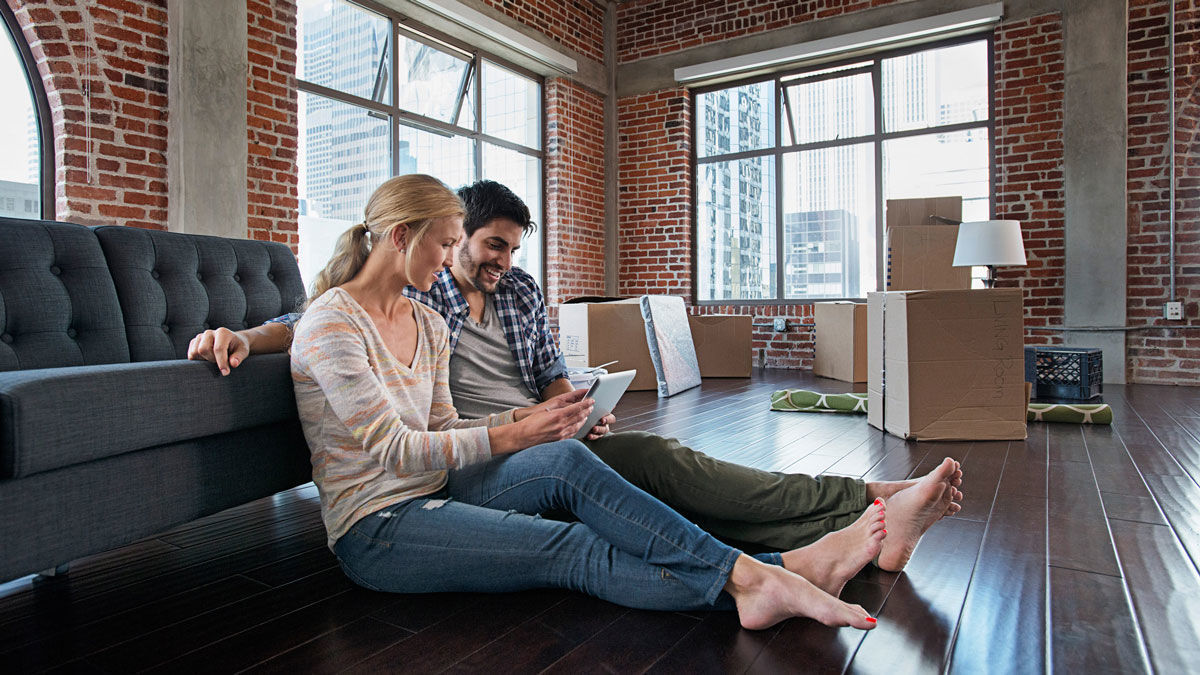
point(748, 507)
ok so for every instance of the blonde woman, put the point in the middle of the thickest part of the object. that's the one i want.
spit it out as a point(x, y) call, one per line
point(415, 499)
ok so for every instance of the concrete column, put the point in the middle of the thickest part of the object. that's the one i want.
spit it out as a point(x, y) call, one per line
point(1094, 139)
point(206, 142)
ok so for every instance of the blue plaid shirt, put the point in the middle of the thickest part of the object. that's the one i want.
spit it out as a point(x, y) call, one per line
point(522, 312)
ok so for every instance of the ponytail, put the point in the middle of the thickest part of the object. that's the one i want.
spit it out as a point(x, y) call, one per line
point(414, 200)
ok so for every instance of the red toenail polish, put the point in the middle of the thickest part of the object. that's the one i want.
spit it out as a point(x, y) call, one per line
point(878, 501)
point(870, 619)
point(885, 531)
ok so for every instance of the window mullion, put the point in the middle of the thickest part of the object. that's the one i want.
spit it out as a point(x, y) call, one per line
point(395, 102)
point(777, 158)
point(880, 244)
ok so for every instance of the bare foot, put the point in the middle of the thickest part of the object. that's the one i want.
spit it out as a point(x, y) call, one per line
point(885, 489)
point(767, 594)
point(914, 510)
point(833, 559)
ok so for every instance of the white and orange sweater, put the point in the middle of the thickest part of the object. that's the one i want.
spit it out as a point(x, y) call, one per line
point(379, 431)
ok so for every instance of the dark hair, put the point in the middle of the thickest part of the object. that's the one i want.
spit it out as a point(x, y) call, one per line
point(487, 200)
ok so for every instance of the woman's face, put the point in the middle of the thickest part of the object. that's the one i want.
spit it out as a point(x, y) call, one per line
point(435, 251)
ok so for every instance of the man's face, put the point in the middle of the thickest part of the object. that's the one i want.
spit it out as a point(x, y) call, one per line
point(487, 254)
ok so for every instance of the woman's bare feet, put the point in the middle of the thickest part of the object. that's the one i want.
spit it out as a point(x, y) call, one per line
point(767, 594)
point(914, 509)
point(835, 558)
point(885, 489)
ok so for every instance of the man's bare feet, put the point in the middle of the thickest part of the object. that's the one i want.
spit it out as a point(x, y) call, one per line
point(885, 489)
point(835, 558)
point(913, 510)
point(767, 594)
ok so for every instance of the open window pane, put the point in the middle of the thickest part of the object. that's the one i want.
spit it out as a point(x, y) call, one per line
point(450, 159)
point(937, 165)
point(735, 247)
point(936, 87)
point(20, 147)
point(829, 222)
point(344, 155)
point(829, 109)
point(431, 80)
point(344, 47)
point(735, 120)
point(512, 106)
point(523, 175)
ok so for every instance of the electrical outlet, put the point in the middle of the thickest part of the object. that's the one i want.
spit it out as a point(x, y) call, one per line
point(1173, 311)
point(780, 324)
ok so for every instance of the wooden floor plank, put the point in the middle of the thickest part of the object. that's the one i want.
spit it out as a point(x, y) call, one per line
point(202, 630)
point(334, 651)
point(633, 643)
point(1164, 587)
point(1091, 625)
point(1079, 537)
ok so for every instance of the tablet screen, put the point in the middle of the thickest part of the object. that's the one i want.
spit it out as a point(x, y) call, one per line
point(606, 391)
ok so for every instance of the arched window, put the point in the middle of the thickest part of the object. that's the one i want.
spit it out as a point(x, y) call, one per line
point(26, 164)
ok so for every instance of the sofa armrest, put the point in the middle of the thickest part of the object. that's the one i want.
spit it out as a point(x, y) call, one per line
point(55, 417)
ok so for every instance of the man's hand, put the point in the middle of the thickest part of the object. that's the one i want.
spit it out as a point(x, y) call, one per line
point(601, 427)
point(222, 346)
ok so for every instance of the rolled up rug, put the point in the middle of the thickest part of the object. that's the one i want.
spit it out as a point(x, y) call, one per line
point(803, 400)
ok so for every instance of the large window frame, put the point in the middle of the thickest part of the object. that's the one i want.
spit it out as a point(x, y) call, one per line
point(877, 139)
point(41, 112)
point(405, 27)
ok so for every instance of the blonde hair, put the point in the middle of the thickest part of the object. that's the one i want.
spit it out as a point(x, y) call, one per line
point(415, 200)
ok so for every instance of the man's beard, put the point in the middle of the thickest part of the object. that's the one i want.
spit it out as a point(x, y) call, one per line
point(477, 276)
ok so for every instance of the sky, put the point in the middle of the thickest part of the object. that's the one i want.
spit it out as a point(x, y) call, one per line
point(15, 106)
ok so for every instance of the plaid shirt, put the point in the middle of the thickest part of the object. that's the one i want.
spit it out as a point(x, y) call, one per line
point(522, 312)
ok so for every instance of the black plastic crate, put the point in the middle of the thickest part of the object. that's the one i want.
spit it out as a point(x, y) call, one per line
point(1065, 372)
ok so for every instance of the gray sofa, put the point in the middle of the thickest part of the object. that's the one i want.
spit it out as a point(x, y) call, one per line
point(106, 436)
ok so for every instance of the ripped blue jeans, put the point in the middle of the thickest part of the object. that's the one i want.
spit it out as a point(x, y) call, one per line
point(481, 533)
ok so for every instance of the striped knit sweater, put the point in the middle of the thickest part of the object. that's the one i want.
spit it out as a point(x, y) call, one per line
point(379, 431)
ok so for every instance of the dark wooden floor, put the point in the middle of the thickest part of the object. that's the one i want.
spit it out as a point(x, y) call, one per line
point(1076, 551)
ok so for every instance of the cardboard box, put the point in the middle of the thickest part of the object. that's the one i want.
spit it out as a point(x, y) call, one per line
point(593, 333)
point(840, 340)
point(920, 249)
point(921, 211)
point(723, 344)
point(946, 365)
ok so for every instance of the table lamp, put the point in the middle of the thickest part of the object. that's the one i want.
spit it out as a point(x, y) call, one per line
point(989, 243)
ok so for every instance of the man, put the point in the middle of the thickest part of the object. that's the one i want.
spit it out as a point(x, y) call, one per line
point(503, 356)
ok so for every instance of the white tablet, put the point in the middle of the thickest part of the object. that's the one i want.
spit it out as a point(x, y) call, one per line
point(606, 391)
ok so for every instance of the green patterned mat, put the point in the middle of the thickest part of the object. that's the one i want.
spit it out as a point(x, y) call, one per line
point(803, 400)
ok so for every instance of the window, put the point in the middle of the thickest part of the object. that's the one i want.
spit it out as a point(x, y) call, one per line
point(379, 98)
point(21, 113)
point(792, 172)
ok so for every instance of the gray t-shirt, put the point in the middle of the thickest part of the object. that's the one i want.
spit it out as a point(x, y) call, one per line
point(484, 378)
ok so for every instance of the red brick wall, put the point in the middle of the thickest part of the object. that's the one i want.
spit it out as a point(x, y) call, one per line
point(1163, 355)
point(576, 24)
point(654, 199)
point(574, 191)
point(792, 348)
point(104, 66)
point(272, 122)
point(1028, 113)
point(651, 27)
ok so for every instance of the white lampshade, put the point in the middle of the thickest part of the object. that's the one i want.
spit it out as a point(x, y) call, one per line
point(989, 242)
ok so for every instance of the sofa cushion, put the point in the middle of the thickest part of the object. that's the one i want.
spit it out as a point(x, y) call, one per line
point(58, 305)
point(56, 417)
point(173, 286)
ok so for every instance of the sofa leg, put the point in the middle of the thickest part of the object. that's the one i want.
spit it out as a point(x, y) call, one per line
point(55, 571)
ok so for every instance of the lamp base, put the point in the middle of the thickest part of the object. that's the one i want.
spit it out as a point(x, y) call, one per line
point(989, 280)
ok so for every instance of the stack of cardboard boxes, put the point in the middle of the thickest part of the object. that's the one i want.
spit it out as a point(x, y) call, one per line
point(942, 362)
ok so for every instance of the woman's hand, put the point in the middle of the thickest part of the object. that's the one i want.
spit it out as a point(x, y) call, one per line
point(222, 346)
point(554, 420)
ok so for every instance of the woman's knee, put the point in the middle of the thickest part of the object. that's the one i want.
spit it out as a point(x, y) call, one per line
point(564, 457)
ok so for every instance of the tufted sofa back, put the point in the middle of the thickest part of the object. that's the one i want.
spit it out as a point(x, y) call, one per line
point(58, 305)
point(75, 296)
point(172, 286)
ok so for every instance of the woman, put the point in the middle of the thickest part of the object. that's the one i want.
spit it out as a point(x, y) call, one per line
point(415, 499)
